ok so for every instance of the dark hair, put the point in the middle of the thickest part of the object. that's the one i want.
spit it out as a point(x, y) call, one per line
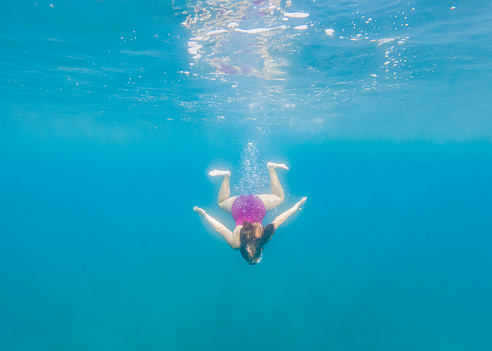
point(253, 237)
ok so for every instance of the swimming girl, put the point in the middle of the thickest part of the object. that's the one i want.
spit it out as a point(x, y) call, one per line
point(248, 212)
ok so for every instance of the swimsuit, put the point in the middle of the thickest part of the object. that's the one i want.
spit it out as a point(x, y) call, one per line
point(248, 208)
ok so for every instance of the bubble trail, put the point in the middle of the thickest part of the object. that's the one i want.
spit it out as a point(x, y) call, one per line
point(252, 172)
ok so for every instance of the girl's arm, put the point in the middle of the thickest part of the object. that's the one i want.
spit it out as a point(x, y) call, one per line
point(219, 227)
point(283, 216)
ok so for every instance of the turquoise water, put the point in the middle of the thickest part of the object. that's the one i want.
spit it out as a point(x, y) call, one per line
point(111, 116)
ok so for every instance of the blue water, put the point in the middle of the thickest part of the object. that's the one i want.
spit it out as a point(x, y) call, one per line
point(109, 124)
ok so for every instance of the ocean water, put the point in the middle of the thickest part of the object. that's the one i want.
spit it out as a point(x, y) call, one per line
point(113, 112)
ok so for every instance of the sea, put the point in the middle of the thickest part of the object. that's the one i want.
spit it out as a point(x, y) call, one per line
point(112, 113)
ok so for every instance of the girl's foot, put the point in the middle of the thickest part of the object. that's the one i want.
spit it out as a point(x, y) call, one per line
point(225, 174)
point(276, 165)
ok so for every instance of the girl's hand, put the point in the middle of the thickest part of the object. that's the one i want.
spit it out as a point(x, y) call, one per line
point(199, 210)
point(300, 203)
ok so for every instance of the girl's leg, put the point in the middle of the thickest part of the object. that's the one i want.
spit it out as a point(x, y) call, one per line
point(275, 199)
point(225, 202)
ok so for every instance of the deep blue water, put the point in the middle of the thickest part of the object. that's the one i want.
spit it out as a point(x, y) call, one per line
point(107, 134)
